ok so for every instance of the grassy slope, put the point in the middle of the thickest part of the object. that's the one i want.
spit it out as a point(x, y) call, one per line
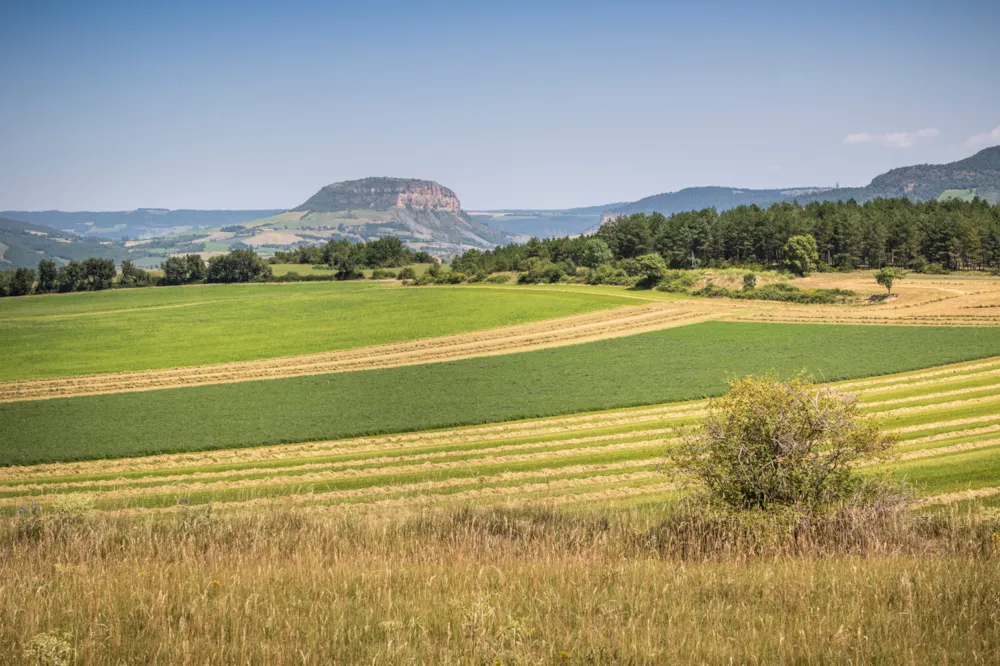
point(48, 336)
point(665, 366)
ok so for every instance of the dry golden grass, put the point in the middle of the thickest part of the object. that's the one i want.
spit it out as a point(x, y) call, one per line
point(498, 587)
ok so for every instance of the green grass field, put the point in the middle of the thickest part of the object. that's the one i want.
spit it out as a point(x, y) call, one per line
point(664, 366)
point(947, 425)
point(143, 329)
point(963, 195)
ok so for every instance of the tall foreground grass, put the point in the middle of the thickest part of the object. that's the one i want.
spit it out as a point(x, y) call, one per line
point(489, 586)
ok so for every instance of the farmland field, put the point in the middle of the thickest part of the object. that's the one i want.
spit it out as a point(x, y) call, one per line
point(674, 364)
point(947, 421)
point(71, 334)
point(511, 508)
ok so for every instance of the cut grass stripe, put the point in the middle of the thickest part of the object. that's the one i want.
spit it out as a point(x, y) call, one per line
point(675, 364)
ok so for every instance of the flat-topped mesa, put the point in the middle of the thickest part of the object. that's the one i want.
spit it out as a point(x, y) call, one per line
point(383, 194)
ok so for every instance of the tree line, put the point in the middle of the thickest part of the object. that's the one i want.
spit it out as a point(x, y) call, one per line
point(925, 236)
point(347, 258)
point(240, 265)
point(97, 274)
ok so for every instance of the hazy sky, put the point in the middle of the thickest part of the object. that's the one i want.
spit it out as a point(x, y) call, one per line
point(113, 105)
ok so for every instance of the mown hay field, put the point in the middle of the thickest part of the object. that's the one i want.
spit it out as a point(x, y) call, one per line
point(142, 329)
point(669, 365)
point(947, 420)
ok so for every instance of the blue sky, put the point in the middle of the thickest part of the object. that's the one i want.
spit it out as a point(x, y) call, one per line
point(117, 105)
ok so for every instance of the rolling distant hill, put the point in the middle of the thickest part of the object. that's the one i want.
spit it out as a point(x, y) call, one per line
point(23, 245)
point(139, 223)
point(978, 175)
point(921, 182)
point(543, 223)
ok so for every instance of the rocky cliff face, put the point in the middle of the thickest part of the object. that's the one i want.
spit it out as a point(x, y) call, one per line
point(383, 194)
point(430, 196)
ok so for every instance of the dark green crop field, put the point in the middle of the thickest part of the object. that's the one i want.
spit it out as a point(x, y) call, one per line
point(670, 365)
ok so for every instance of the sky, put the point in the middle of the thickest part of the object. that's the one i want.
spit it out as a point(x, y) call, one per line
point(121, 105)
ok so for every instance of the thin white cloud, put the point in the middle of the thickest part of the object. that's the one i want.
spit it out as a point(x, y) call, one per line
point(990, 138)
point(863, 137)
point(892, 139)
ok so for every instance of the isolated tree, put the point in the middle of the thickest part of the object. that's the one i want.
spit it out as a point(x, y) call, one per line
point(48, 276)
point(749, 281)
point(768, 443)
point(888, 275)
point(22, 282)
point(801, 254)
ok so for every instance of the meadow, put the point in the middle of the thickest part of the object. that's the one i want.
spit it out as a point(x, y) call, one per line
point(143, 329)
point(510, 509)
point(663, 366)
point(486, 587)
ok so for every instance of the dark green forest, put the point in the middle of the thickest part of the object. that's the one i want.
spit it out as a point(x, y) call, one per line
point(923, 236)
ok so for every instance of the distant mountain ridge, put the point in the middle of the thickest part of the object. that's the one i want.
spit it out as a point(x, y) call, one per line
point(138, 223)
point(980, 172)
point(978, 175)
point(23, 245)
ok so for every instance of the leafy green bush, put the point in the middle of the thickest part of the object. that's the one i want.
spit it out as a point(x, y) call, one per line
point(383, 274)
point(711, 290)
point(676, 282)
point(424, 279)
point(935, 268)
point(498, 279)
point(778, 291)
point(768, 443)
point(541, 270)
point(407, 273)
point(607, 274)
